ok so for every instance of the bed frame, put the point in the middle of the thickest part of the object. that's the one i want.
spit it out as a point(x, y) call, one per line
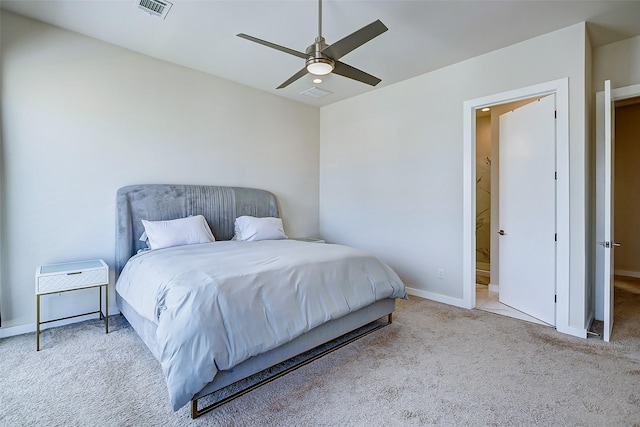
point(221, 206)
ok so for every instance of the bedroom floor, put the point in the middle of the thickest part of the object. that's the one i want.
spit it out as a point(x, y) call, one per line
point(487, 300)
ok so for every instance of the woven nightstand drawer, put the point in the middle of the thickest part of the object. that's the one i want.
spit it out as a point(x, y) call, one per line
point(62, 277)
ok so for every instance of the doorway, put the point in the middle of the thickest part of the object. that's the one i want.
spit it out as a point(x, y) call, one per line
point(506, 169)
point(560, 89)
point(617, 154)
point(626, 182)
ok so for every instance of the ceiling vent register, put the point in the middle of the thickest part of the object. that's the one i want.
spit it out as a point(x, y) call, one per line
point(316, 92)
point(154, 7)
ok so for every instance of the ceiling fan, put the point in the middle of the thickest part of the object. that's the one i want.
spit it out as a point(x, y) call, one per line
point(322, 59)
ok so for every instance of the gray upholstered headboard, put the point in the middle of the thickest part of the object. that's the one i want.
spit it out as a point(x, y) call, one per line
point(157, 202)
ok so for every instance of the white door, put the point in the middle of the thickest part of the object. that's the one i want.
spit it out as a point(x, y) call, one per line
point(527, 209)
point(608, 244)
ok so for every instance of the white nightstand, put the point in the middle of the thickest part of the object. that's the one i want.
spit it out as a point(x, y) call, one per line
point(71, 276)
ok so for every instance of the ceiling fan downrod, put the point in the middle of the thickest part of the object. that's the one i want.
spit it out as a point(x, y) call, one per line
point(318, 63)
point(319, 19)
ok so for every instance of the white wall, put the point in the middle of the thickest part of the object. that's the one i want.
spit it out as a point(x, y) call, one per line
point(82, 118)
point(391, 162)
point(618, 62)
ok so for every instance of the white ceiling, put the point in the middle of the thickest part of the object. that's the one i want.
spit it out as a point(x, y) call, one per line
point(423, 35)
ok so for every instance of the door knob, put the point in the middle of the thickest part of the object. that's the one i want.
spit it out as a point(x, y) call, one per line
point(608, 244)
point(501, 232)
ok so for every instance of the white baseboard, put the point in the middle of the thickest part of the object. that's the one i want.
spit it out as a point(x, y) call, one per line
point(627, 273)
point(458, 302)
point(11, 331)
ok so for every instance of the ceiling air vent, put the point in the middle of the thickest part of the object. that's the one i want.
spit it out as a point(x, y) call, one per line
point(154, 7)
point(316, 92)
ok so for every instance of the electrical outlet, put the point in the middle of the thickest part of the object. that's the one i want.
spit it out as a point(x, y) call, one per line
point(441, 273)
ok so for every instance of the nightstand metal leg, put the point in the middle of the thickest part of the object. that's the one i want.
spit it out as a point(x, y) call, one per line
point(104, 316)
point(100, 305)
point(106, 308)
point(37, 322)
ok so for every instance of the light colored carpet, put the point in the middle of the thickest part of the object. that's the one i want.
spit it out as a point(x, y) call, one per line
point(435, 365)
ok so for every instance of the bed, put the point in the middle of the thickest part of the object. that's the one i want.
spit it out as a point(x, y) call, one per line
point(232, 315)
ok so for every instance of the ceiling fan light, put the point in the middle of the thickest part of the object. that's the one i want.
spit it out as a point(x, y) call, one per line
point(319, 66)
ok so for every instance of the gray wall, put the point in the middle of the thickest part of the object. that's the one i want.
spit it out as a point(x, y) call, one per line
point(82, 118)
point(381, 171)
point(618, 62)
point(400, 149)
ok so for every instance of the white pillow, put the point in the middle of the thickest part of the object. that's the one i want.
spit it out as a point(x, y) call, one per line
point(178, 232)
point(248, 228)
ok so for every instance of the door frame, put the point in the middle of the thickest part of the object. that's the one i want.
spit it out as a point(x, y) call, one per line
point(601, 286)
point(560, 88)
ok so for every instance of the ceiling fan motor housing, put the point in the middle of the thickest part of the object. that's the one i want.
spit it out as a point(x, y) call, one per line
point(318, 63)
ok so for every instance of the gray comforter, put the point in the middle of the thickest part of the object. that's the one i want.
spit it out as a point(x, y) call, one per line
point(218, 304)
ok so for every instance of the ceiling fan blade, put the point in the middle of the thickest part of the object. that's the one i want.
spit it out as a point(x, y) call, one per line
point(293, 78)
point(274, 46)
point(353, 73)
point(354, 40)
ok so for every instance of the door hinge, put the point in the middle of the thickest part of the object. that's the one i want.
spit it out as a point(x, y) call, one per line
point(555, 175)
point(555, 237)
point(555, 114)
point(555, 299)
